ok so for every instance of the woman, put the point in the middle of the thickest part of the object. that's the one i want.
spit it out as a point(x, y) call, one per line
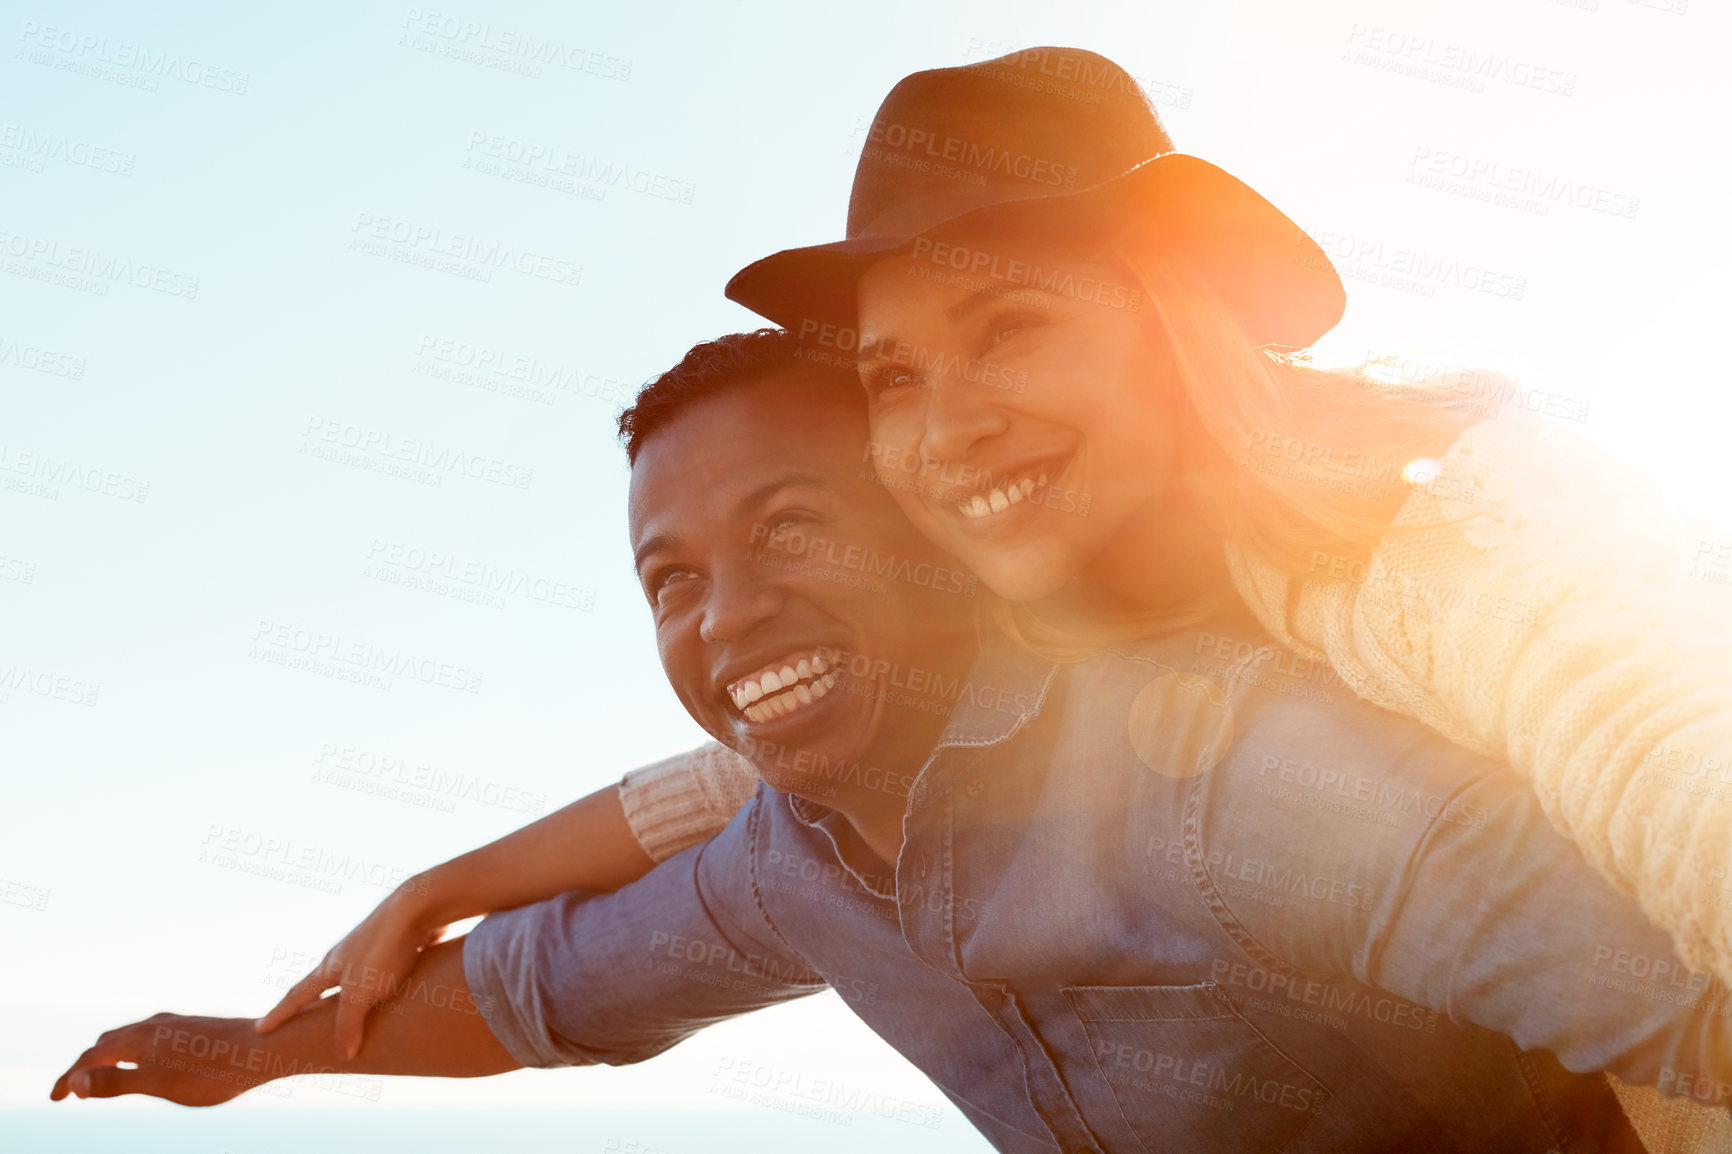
point(1071, 341)
point(1504, 583)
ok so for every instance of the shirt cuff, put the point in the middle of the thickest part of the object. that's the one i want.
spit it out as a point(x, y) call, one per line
point(499, 962)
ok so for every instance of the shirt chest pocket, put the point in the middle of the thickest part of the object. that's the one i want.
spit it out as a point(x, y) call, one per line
point(1190, 1074)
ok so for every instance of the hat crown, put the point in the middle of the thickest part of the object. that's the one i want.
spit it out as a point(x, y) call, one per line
point(1032, 124)
point(1045, 141)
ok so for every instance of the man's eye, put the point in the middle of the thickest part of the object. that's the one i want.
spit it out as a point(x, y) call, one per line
point(666, 579)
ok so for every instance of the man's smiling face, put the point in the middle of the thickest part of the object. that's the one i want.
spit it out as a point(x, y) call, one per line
point(765, 549)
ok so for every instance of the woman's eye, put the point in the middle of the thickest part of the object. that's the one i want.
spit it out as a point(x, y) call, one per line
point(1002, 328)
point(881, 379)
point(781, 525)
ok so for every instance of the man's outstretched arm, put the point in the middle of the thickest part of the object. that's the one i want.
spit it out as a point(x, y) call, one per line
point(431, 1028)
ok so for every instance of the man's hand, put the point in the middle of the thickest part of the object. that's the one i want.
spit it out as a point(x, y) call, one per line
point(193, 1061)
point(433, 1028)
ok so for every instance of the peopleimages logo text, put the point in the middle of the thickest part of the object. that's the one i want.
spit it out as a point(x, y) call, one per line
point(1026, 274)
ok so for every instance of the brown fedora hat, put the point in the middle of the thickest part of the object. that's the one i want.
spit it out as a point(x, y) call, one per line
point(1059, 138)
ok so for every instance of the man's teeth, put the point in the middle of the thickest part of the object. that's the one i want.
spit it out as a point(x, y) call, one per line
point(1000, 498)
point(798, 684)
point(802, 695)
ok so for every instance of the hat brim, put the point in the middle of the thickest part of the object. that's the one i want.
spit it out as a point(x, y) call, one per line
point(1267, 270)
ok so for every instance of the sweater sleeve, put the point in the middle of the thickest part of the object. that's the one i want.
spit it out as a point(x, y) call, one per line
point(1534, 603)
point(1540, 604)
point(686, 799)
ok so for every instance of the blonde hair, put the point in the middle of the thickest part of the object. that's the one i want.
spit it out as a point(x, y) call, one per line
point(1231, 402)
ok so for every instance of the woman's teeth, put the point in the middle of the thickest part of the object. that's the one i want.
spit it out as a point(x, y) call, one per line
point(781, 690)
point(1000, 498)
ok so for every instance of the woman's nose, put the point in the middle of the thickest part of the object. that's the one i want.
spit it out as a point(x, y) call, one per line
point(958, 418)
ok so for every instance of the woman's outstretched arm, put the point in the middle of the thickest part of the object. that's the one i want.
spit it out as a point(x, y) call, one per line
point(1533, 603)
point(597, 843)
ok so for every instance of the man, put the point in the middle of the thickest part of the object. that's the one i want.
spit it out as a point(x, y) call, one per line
point(1118, 906)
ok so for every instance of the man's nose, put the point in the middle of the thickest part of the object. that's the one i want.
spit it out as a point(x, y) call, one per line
point(959, 416)
point(743, 596)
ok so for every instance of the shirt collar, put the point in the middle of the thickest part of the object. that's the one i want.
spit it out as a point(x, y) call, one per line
point(874, 877)
point(1004, 691)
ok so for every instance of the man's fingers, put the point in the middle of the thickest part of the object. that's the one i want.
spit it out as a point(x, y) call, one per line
point(101, 1056)
point(110, 1082)
point(74, 1081)
point(114, 1046)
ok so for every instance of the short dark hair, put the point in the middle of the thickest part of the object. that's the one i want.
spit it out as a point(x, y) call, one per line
point(713, 367)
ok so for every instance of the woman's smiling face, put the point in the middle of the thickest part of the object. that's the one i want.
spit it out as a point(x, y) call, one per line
point(1021, 428)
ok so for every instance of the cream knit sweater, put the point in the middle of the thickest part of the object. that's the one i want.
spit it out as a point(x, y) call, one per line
point(1534, 604)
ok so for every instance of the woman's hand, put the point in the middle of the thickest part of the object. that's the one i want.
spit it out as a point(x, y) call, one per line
point(193, 1061)
point(369, 965)
point(587, 845)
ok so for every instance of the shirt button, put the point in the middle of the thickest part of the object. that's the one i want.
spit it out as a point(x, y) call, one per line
point(976, 788)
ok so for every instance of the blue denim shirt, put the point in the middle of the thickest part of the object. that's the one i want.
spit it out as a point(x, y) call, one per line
point(1141, 908)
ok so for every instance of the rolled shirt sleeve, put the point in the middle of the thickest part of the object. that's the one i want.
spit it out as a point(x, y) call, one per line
point(617, 978)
